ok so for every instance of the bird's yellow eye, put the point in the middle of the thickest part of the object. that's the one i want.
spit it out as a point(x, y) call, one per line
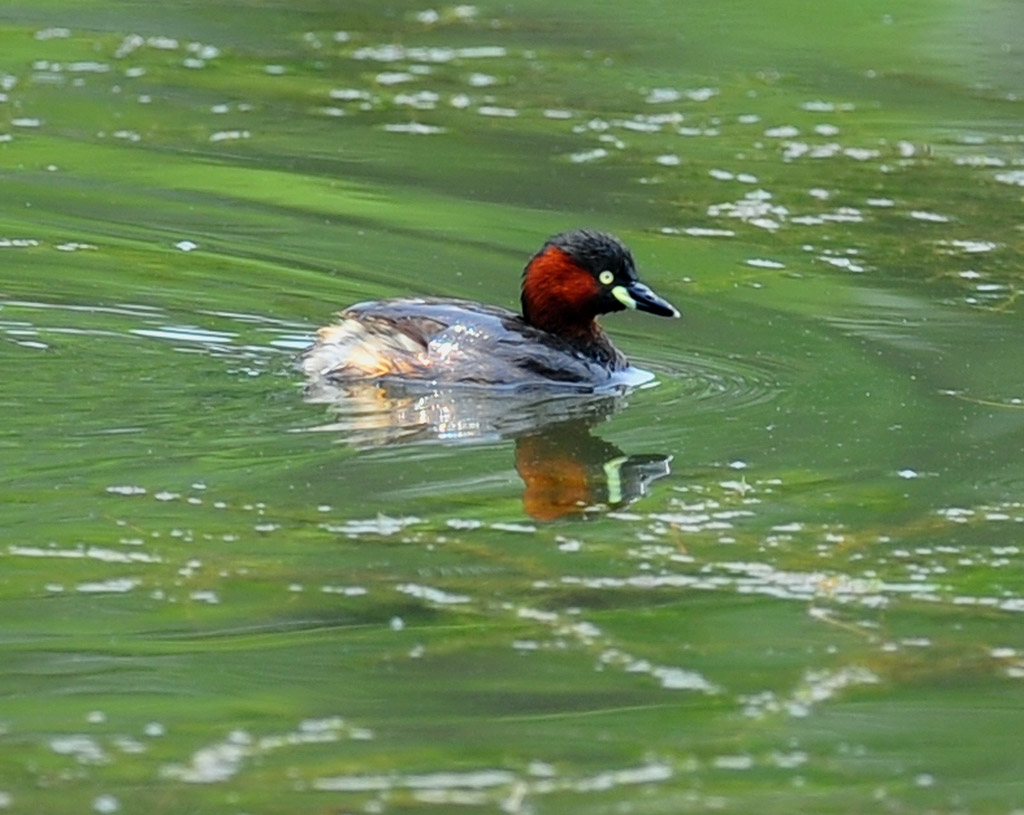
point(606, 278)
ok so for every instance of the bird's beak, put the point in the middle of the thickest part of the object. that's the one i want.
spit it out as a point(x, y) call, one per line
point(639, 296)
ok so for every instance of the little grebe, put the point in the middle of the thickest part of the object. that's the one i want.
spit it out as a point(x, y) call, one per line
point(576, 276)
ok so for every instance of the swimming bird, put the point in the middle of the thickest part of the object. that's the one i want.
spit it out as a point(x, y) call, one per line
point(556, 342)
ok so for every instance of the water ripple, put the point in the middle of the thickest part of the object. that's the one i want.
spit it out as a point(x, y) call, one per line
point(718, 383)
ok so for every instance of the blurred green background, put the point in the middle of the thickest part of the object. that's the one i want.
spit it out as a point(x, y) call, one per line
point(220, 597)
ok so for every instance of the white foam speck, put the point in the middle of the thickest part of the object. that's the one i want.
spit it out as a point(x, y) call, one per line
point(421, 100)
point(647, 774)
point(706, 232)
point(184, 333)
point(106, 804)
point(481, 51)
point(414, 128)
point(503, 527)
point(218, 762)
point(431, 594)
point(585, 156)
point(347, 591)
point(393, 77)
point(116, 585)
point(931, 217)
point(349, 95)
point(381, 525)
point(495, 110)
point(972, 246)
point(126, 490)
point(229, 135)
point(660, 96)
point(84, 749)
point(738, 762)
point(1015, 177)
point(788, 761)
point(700, 94)
point(52, 33)
point(681, 679)
point(842, 263)
point(162, 43)
point(460, 523)
point(91, 552)
point(860, 153)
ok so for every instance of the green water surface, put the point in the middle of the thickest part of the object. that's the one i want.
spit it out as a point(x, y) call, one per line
point(219, 594)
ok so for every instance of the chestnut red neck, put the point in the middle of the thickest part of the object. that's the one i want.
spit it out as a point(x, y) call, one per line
point(559, 295)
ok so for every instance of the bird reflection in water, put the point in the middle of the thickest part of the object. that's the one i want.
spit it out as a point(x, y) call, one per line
point(567, 471)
